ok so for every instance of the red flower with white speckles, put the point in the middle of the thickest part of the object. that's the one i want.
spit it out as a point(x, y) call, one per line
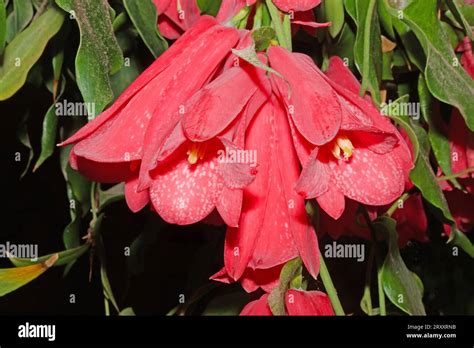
point(345, 146)
point(111, 147)
point(198, 167)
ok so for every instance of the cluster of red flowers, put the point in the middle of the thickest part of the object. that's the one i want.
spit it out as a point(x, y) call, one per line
point(182, 134)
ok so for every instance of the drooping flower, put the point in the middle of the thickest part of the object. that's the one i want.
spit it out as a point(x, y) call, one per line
point(176, 16)
point(201, 164)
point(111, 147)
point(347, 148)
point(273, 226)
point(297, 303)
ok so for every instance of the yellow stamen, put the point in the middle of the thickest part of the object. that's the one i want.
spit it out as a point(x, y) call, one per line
point(196, 152)
point(342, 146)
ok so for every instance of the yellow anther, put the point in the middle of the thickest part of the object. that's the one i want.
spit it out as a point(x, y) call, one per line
point(196, 152)
point(342, 147)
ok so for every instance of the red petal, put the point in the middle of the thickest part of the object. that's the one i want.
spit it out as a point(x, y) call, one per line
point(273, 227)
point(136, 201)
point(338, 72)
point(239, 173)
point(257, 307)
point(182, 193)
point(332, 201)
point(168, 28)
point(313, 105)
point(216, 105)
point(103, 172)
point(180, 47)
point(411, 221)
point(229, 206)
point(229, 9)
point(369, 178)
point(186, 18)
point(296, 5)
point(188, 76)
point(161, 5)
point(307, 303)
point(314, 178)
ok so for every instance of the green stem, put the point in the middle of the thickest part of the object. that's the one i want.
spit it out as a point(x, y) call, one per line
point(455, 175)
point(368, 280)
point(330, 289)
point(94, 207)
point(281, 24)
point(381, 294)
point(383, 310)
point(395, 204)
point(257, 19)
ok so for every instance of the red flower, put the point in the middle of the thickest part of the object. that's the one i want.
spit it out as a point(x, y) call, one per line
point(199, 167)
point(346, 147)
point(111, 147)
point(273, 226)
point(297, 303)
point(176, 16)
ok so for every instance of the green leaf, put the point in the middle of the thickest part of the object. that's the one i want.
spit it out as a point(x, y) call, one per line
point(3, 25)
point(25, 50)
point(344, 46)
point(99, 53)
point(392, 110)
point(399, 283)
point(129, 72)
point(386, 19)
point(19, 18)
point(263, 37)
point(209, 7)
point(334, 11)
point(23, 136)
point(411, 44)
point(276, 299)
point(459, 239)
point(50, 126)
point(250, 55)
point(350, 6)
point(444, 76)
point(64, 257)
point(113, 194)
point(14, 278)
point(127, 312)
point(144, 18)
point(368, 48)
point(438, 140)
point(424, 178)
point(107, 288)
point(455, 7)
